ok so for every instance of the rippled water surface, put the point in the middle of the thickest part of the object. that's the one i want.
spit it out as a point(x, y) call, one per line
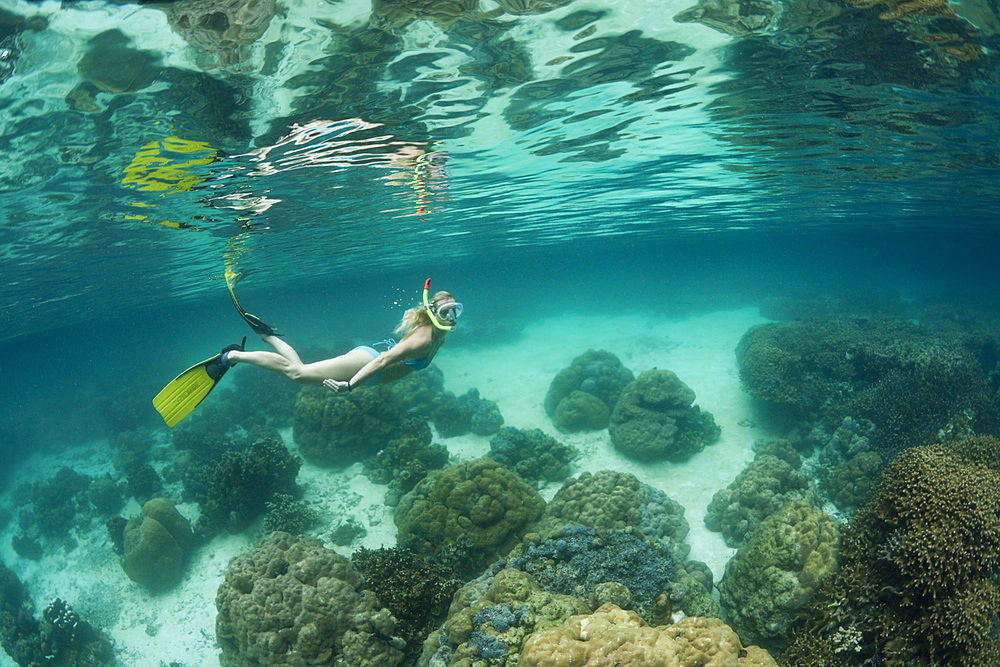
point(146, 145)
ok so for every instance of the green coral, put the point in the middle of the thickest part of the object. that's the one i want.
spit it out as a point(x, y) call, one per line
point(480, 501)
point(596, 373)
point(762, 488)
point(236, 489)
point(291, 602)
point(655, 419)
point(332, 430)
point(288, 515)
point(402, 464)
point(920, 562)
point(155, 545)
point(534, 455)
point(916, 383)
point(417, 593)
point(610, 500)
point(778, 571)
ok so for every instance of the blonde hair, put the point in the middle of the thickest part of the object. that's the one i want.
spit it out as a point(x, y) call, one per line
point(418, 317)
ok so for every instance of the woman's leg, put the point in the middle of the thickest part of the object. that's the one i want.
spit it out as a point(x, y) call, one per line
point(285, 361)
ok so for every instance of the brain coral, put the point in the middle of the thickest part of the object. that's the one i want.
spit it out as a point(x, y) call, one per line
point(611, 636)
point(479, 502)
point(655, 420)
point(582, 396)
point(292, 602)
point(778, 571)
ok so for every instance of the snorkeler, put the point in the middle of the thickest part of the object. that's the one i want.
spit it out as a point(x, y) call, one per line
point(423, 328)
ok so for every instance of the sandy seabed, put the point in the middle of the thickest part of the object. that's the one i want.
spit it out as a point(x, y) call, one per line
point(179, 626)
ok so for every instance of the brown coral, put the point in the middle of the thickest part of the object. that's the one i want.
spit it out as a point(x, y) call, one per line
point(612, 636)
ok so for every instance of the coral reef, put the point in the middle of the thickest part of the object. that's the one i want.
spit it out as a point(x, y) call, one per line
point(762, 488)
point(417, 593)
point(292, 602)
point(849, 468)
point(333, 430)
point(778, 571)
point(596, 374)
point(491, 618)
point(418, 393)
point(235, 490)
point(105, 495)
point(61, 637)
point(532, 454)
point(155, 545)
point(467, 413)
point(915, 384)
point(480, 501)
point(609, 500)
point(576, 560)
point(919, 564)
point(655, 419)
point(402, 464)
point(613, 636)
point(285, 514)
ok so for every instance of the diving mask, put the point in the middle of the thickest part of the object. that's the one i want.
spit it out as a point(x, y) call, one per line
point(449, 311)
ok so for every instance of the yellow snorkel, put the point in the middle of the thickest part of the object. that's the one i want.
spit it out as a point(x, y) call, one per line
point(438, 324)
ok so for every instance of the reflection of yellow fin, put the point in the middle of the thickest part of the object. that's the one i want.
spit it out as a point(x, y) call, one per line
point(187, 390)
point(154, 169)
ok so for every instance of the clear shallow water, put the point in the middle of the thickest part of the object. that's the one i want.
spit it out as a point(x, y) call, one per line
point(534, 159)
point(446, 131)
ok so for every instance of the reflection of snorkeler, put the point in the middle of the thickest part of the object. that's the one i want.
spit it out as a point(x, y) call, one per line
point(422, 174)
point(423, 328)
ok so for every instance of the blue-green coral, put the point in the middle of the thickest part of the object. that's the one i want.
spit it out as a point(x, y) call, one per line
point(582, 395)
point(532, 454)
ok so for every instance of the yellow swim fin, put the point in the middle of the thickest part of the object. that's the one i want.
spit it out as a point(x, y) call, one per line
point(187, 390)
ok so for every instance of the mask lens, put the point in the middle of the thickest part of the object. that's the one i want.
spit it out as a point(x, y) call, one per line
point(449, 311)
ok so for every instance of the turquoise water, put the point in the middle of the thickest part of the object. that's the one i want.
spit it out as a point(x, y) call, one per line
point(537, 159)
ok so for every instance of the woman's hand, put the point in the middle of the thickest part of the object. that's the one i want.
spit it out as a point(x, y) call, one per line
point(337, 387)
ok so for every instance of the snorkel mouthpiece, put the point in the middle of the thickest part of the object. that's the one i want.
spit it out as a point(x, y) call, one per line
point(429, 309)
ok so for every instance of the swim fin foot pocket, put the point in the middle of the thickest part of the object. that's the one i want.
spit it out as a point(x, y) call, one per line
point(187, 390)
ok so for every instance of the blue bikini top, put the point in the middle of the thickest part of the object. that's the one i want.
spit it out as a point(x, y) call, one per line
point(415, 364)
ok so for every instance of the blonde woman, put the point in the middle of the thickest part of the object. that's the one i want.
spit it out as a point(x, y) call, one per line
point(423, 330)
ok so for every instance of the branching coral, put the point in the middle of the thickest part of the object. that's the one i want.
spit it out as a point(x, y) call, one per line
point(417, 593)
point(919, 569)
point(655, 419)
point(292, 602)
point(237, 488)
